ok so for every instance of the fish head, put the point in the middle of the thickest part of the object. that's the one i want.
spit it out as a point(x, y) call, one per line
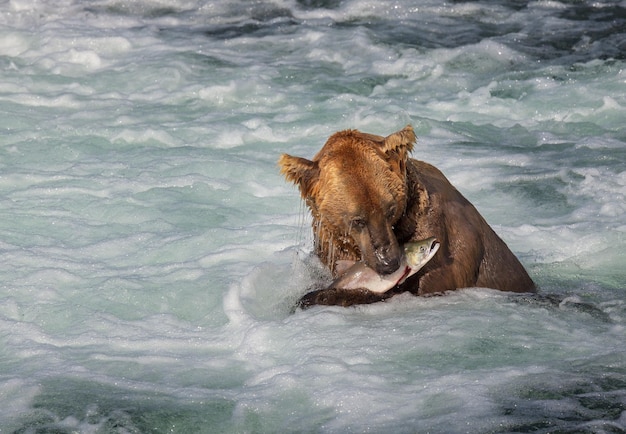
point(418, 253)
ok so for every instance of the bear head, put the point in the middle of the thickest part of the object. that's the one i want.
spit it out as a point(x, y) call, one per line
point(356, 190)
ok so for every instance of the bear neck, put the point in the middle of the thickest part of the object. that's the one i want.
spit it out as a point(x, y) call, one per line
point(417, 206)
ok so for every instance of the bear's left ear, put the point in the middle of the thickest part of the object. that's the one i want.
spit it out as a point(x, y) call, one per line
point(398, 145)
point(302, 172)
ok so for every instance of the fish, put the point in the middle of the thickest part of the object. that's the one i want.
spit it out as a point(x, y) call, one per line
point(358, 275)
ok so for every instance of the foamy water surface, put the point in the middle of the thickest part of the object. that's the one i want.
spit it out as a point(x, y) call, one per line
point(151, 253)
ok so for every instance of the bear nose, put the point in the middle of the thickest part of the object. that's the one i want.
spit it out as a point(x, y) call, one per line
point(386, 261)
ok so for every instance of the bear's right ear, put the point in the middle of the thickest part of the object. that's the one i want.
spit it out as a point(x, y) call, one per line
point(300, 171)
point(401, 142)
point(398, 146)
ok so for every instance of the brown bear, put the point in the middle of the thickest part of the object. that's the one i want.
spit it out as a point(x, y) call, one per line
point(367, 198)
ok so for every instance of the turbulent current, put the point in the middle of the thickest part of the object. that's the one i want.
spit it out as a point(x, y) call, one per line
point(151, 253)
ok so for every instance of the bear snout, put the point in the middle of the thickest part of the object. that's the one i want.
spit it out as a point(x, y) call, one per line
point(388, 259)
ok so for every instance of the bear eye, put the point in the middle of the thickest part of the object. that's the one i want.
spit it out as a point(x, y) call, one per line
point(391, 213)
point(357, 223)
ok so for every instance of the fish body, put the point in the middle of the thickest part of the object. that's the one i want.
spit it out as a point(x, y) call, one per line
point(359, 276)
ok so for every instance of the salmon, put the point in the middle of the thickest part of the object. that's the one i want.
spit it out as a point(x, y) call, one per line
point(360, 276)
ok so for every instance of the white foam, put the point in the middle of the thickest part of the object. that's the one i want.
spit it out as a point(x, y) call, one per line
point(16, 397)
point(14, 44)
point(149, 136)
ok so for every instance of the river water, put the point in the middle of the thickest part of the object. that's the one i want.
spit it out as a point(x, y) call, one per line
point(151, 253)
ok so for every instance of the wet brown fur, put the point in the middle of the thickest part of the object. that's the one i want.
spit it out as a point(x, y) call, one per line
point(367, 198)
